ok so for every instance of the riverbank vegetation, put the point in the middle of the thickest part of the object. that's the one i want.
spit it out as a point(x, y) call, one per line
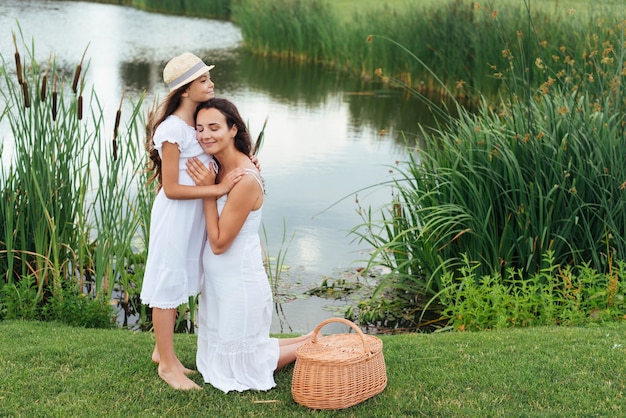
point(513, 214)
point(211, 9)
point(55, 370)
point(70, 208)
point(510, 214)
point(74, 202)
point(459, 43)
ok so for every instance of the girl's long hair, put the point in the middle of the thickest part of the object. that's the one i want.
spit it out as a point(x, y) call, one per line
point(155, 118)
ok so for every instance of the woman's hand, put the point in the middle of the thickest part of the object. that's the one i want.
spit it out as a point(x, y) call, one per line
point(201, 175)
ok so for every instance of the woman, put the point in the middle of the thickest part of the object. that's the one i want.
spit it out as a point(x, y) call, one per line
point(235, 351)
point(173, 268)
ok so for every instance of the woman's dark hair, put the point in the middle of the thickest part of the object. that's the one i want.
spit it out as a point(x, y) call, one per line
point(155, 118)
point(243, 142)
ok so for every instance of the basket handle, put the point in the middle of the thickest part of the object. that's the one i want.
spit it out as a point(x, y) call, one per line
point(366, 348)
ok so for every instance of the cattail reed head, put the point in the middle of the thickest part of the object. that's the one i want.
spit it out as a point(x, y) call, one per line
point(80, 104)
point(118, 117)
point(114, 149)
point(18, 62)
point(76, 78)
point(18, 68)
point(80, 107)
point(44, 86)
point(54, 105)
point(55, 97)
point(78, 70)
point(26, 95)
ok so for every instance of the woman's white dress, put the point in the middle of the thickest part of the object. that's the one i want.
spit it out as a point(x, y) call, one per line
point(177, 228)
point(235, 351)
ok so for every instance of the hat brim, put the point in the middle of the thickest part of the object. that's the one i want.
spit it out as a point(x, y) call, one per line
point(188, 78)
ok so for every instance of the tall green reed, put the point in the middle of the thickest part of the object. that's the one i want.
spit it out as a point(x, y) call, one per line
point(302, 30)
point(215, 9)
point(468, 44)
point(64, 226)
point(539, 171)
point(43, 183)
point(219, 9)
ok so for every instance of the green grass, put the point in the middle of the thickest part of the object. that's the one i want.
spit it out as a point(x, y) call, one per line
point(53, 370)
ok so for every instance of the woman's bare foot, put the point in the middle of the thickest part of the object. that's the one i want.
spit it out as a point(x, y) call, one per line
point(177, 380)
point(156, 358)
point(295, 340)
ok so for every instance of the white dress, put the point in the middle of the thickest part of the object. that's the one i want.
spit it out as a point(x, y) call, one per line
point(235, 351)
point(177, 228)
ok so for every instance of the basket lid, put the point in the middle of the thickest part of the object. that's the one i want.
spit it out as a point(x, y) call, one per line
point(346, 348)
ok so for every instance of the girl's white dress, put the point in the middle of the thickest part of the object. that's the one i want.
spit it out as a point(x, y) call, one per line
point(235, 351)
point(177, 228)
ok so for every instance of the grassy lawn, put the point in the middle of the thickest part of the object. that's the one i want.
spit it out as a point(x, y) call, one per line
point(52, 370)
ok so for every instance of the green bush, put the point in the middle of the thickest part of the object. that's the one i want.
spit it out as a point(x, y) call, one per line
point(553, 296)
point(68, 304)
point(72, 306)
point(20, 300)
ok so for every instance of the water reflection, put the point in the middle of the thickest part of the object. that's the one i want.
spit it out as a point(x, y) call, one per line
point(371, 105)
point(327, 137)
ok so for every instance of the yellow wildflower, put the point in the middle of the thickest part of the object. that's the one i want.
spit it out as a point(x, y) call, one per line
point(539, 63)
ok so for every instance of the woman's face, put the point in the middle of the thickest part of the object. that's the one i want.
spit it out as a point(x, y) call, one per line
point(213, 132)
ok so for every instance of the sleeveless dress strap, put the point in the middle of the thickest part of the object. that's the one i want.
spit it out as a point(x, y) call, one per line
point(256, 176)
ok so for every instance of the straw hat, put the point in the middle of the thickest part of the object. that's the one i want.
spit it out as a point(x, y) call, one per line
point(184, 69)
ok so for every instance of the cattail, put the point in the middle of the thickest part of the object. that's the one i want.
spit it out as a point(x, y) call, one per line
point(78, 70)
point(26, 96)
point(44, 86)
point(118, 117)
point(80, 104)
point(80, 107)
point(55, 96)
point(18, 62)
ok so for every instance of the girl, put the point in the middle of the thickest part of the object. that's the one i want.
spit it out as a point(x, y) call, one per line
point(177, 229)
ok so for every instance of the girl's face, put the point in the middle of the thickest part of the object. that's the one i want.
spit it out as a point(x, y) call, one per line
point(201, 89)
point(213, 132)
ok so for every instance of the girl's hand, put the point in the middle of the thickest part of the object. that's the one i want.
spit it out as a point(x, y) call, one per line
point(201, 175)
point(255, 161)
point(230, 179)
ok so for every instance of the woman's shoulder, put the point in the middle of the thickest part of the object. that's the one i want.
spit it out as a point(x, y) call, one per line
point(254, 174)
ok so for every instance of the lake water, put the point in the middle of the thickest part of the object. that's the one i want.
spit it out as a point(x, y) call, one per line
point(327, 137)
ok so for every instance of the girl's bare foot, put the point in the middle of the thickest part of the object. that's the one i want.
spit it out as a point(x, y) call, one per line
point(177, 380)
point(156, 358)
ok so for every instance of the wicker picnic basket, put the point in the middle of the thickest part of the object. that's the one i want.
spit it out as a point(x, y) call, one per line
point(338, 371)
